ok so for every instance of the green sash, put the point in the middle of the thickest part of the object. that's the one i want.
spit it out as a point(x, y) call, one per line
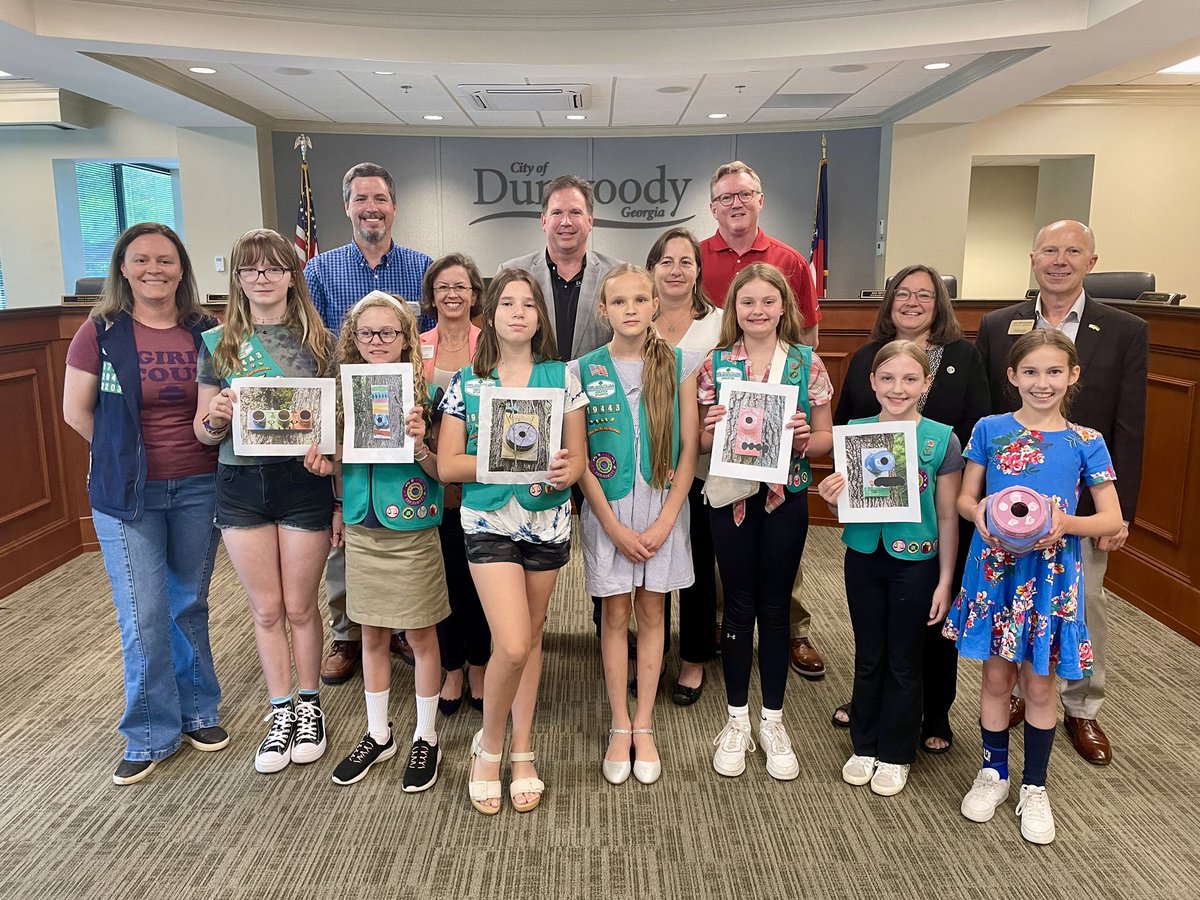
point(255, 361)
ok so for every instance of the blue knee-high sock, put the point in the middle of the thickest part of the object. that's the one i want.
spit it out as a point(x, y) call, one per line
point(995, 751)
point(1038, 744)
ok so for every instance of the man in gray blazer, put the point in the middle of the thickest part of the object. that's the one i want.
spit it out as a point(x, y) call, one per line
point(568, 272)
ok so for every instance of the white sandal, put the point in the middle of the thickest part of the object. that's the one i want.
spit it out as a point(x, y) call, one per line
point(481, 791)
point(525, 785)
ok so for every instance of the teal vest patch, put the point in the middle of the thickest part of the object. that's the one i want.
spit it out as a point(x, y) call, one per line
point(255, 361)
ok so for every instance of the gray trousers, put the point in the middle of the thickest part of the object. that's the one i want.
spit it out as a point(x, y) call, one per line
point(1083, 698)
point(335, 590)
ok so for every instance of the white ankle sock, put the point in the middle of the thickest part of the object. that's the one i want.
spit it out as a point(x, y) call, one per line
point(772, 715)
point(377, 716)
point(426, 718)
point(741, 713)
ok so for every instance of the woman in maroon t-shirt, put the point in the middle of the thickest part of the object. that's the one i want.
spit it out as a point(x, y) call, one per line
point(130, 390)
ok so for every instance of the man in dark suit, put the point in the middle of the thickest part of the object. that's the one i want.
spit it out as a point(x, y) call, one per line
point(1114, 355)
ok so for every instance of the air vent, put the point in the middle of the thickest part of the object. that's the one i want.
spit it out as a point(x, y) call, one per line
point(527, 97)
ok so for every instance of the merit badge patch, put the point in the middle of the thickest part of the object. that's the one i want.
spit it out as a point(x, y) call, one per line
point(923, 480)
point(598, 390)
point(535, 490)
point(898, 546)
point(414, 492)
point(475, 385)
point(392, 511)
point(727, 373)
point(603, 465)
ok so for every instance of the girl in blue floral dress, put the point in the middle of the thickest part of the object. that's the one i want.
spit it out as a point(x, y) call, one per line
point(1021, 614)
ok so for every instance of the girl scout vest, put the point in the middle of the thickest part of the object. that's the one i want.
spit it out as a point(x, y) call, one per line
point(534, 497)
point(908, 540)
point(402, 496)
point(253, 358)
point(796, 371)
point(610, 425)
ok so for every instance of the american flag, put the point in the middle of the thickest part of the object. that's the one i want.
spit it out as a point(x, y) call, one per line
point(306, 219)
point(597, 369)
point(820, 239)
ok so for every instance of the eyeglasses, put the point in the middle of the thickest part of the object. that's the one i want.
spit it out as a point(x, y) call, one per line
point(452, 289)
point(273, 274)
point(727, 199)
point(367, 335)
point(904, 294)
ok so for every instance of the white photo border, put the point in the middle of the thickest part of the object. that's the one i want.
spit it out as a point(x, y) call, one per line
point(354, 454)
point(325, 433)
point(488, 393)
point(779, 470)
point(850, 509)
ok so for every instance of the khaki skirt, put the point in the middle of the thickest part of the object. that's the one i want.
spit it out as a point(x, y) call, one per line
point(395, 579)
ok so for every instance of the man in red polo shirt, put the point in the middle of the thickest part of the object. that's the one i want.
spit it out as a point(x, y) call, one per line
point(736, 201)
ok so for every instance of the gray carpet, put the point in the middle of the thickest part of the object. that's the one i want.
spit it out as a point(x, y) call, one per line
point(207, 825)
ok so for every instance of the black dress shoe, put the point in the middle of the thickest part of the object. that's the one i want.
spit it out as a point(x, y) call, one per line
point(448, 707)
point(681, 695)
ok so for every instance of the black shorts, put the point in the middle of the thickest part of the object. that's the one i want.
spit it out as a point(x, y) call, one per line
point(283, 493)
point(496, 548)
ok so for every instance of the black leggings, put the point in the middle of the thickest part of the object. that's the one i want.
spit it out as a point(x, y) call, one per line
point(698, 603)
point(758, 561)
point(463, 636)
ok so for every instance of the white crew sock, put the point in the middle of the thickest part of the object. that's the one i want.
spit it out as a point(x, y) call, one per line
point(740, 713)
point(377, 716)
point(772, 715)
point(426, 718)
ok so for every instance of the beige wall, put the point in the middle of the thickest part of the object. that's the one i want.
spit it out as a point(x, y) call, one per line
point(1145, 190)
point(219, 187)
point(1000, 219)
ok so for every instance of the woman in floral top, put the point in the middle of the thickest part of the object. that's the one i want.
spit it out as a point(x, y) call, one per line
point(1020, 613)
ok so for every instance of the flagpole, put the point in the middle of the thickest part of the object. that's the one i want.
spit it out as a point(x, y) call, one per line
point(306, 217)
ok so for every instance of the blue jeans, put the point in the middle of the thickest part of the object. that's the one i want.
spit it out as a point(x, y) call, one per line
point(159, 569)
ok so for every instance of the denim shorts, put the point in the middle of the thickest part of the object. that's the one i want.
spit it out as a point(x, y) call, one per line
point(283, 493)
point(497, 548)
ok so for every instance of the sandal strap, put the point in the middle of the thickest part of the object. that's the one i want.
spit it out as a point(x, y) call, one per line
point(484, 790)
point(521, 757)
point(526, 786)
point(613, 731)
point(643, 731)
point(477, 750)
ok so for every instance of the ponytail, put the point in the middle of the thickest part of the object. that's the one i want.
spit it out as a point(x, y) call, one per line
point(660, 386)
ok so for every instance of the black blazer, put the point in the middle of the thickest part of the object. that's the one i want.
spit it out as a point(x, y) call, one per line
point(1114, 356)
point(958, 398)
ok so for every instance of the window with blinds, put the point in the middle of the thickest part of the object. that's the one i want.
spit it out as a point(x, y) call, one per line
point(113, 196)
point(3, 298)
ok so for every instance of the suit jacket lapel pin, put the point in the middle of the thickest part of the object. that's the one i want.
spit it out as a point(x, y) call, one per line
point(1093, 326)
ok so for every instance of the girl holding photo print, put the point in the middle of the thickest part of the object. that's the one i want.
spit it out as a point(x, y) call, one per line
point(389, 518)
point(642, 449)
point(517, 535)
point(759, 529)
point(899, 579)
point(1021, 614)
point(274, 515)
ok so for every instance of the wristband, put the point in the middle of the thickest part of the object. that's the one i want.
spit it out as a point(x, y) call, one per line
point(213, 432)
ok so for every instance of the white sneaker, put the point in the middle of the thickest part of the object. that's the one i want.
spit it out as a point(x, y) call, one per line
point(732, 744)
point(889, 779)
point(988, 792)
point(858, 770)
point(1037, 821)
point(782, 764)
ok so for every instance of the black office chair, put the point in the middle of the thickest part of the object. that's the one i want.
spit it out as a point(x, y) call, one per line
point(89, 287)
point(1118, 285)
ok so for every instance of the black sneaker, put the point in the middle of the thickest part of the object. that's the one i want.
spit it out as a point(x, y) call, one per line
point(355, 766)
point(208, 739)
point(309, 744)
point(421, 771)
point(275, 752)
point(131, 771)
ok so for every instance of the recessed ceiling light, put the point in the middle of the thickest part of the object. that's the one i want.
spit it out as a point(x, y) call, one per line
point(202, 70)
point(673, 89)
point(432, 118)
point(385, 73)
point(847, 69)
point(292, 70)
point(1187, 67)
point(934, 66)
point(575, 117)
point(718, 115)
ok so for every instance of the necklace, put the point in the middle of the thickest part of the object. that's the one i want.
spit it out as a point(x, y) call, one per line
point(445, 345)
point(274, 321)
point(688, 314)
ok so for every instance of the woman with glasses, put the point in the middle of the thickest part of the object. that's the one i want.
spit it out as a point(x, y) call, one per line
point(453, 290)
point(916, 307)
point(129, 391)
point(275, 516)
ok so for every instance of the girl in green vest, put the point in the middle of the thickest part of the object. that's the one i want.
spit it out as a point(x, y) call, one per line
point(274, 516)
point(642, 449)
point(759, 529)
point(395, 579)
point(517, 535)
point(899, 580)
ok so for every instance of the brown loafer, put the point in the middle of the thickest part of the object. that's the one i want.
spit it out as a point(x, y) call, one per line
point(1089, 740)
point(401, 648)
point(806, 660)
point(341, 661)
point(1016, 711)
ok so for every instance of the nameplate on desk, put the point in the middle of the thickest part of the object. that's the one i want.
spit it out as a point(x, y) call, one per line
point(215, 300)
point(871, 295)
point(79, 299)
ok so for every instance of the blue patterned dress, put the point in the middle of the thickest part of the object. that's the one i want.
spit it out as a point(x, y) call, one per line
point(1029, 607)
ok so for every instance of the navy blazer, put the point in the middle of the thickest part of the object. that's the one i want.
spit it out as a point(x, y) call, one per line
point(1114, 358)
